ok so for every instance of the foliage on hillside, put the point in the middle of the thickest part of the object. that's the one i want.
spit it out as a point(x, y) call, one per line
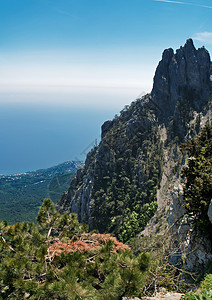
point(22, 194)
point(129, 160)
point(57, 260)
point(198, 177)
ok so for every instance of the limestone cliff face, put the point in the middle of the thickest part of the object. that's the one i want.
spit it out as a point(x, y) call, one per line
point(135, 170)
point(181, 75)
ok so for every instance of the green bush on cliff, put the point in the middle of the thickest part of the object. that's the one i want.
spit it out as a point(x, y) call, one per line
point(206, 290)
point(198, 177)
point(125, 191)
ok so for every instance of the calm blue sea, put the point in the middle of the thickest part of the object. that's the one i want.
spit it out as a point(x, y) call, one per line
point(34, 137)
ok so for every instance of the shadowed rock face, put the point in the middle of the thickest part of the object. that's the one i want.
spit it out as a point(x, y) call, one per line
point(182, 75)
point(210, 212)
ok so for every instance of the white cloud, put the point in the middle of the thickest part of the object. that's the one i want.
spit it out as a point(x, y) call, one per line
point(185, 3)
point(205, 37)
point(168, 1)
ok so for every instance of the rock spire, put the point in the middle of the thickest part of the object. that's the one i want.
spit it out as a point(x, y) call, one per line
point(182, 75)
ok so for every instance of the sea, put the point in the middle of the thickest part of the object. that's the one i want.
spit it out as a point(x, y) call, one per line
point(37, 137)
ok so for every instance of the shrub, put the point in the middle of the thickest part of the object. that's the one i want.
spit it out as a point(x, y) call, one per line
point(206, 287)
point(206, 284)
point(56, 259)
point(198, 178)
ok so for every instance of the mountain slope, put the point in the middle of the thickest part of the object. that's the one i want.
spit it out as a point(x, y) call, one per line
point(130, 176)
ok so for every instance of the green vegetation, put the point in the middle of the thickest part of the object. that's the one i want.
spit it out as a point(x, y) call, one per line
point(165, 275)
point(57, 260)
point(22, 194)
point(205, 295)
point(128, 170)
point(198, 175)
point(162, 273)
point(206, 290)
point(206, 284)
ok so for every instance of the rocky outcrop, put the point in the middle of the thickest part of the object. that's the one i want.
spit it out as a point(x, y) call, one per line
point(78, 198)
point(138, 160)
point(105, 127)
point(210, 212)
point(181, 76)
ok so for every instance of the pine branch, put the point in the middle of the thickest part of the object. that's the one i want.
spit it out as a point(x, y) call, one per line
point(3, 239)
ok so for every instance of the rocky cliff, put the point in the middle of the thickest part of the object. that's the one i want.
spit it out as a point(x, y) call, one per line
point(133, 175)
point(180, 75)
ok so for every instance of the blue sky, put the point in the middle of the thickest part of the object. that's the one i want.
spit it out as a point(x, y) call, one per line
point(74, 53)
point(66, 66)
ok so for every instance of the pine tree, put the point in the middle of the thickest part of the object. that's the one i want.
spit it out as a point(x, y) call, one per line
point(54, 259)
point(198, 177)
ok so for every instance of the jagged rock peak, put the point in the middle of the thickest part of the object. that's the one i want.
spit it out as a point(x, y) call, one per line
point(183, 74)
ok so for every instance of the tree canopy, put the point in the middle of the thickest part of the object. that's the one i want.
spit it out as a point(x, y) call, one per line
point(198, 177)
point(56, 259)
